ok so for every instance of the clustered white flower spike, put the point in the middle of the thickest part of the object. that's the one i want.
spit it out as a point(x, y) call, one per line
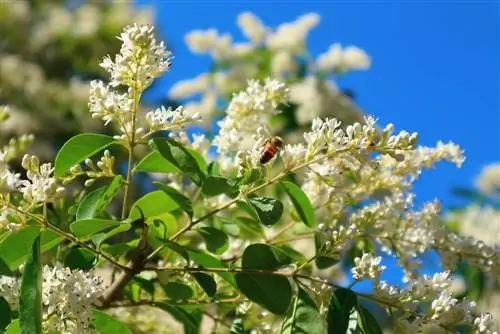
point(342, 60)
point(41, 186)
point(367, 267)
point(67, 297)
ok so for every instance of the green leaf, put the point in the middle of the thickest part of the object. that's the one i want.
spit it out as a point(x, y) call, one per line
point(17, 245)
point(79, 148)
point(99, 238)
point(213, 169)
point(14, 327)
point(217, 241)
point(342, 303)
point(190, 322)
point(207, 283)
point(274, 293)
point(266, 257)
point(269, 210)
point(271, 292)
point(178, 291)
point(182, 200)
point(296, 256)
point(301, 203)
point(49, 239)
point(367, 322)
point(160, 229)
point(250, 228)
point(303, 317)
point(237, 326)
point(153, 204)
point(216, 185)
point(88, 227)
point(80, 258)
point(250, 176)
point(199, 159)
point(209, 261)
point(135, 287)
point(5, 314)
point(106, 324)
point(30, 299)
point(155, 163)
point(323, 262)
point(180, 157)
point(176, 248)
point(98, 200)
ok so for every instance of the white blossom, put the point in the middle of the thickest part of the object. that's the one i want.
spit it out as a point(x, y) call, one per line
point(169, 119)
point(252, 27)
point(292, 36)
point(40, 186)
point(367, 266)
point(484, 324)
point(342, 60)
point(489, 179)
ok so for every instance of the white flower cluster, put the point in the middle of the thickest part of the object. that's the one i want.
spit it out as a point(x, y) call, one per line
point(341, 60)
point(432, 299)
point(67, 296)
point(40, 186)
point(367, 267)
point(248, 115)
point(140, 61)
point(489, 179)
point(9, 180)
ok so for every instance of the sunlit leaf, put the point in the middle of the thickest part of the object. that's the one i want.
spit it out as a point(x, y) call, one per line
point(301, 203)
point(30, 300)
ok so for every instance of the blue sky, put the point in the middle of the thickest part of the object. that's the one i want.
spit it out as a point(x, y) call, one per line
point(435, 66)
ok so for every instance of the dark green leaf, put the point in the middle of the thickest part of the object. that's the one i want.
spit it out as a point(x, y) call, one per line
point(5, 314)
point(106, 324)
point(30, 300)
point(155, 163)
point(180, 157)
point(250, 176)
point(178, 291)
point(213, 169)
point(109, 194)
point(209, 261)
point(367, 322)
point(206, 282)
point(269, 210)
point(135, 287)
point(342, 303)
point(274, 293)
point(88, 227)
point(99, 238)
point(301, 203)
point(303, 317)
point(237, 326)
point(182, 200)
point(153, 204)
point(216, 240)
point(323, 262)
point(87, 207)
point(266, 257)
point(216, 185)
point(80, 258)
point(79, 148)
point(296, 256)
point(17, 245)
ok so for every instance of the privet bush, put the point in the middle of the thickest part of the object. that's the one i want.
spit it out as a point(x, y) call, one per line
point(228, 237)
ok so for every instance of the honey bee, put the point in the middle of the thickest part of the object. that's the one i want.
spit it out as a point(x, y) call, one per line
point(270, 148)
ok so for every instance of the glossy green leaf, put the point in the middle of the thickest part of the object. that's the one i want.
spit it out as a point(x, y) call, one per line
point(49, 240)
point(366, 322)
point(17, 245)
point(216, 241)
point(207, 283)
point(296, 256)
point(250, 176)
point(14, 327)
point(199, 159)
point(80, 258)
point(5, 314)
point(216, 185)
point(99, 238)
point(97, 201)
point(301, 203)
point(209, 261)
point(88, 227)
point(155, 163)
point(249, 227)
point(271, 292)
point(180, 157)
point(274, 293)
point(269, 210)
point(79, 148)
point(106, 324)
point(153, 204)
point(266, 257)
point(178, 291)
point(30, 300)
point(342, 303)
point(182, 200)
point(237, 326)
point(303, 317)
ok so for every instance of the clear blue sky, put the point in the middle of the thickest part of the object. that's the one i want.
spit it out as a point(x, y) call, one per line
point(435, 66)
